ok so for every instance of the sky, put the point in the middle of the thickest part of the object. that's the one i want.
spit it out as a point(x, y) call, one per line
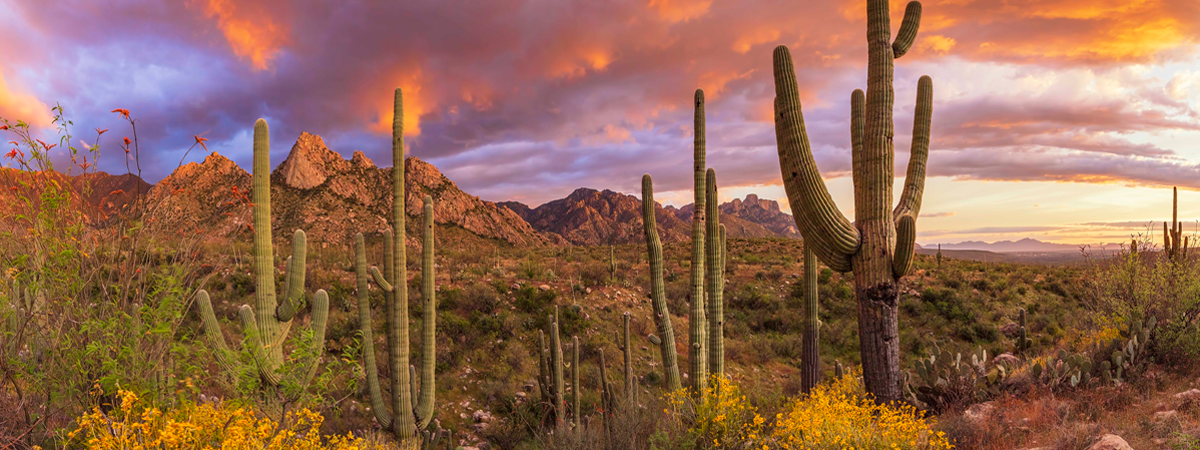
point(1060, 120)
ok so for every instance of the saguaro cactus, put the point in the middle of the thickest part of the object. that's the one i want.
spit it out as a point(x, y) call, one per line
point(267, 323)
point(627, 349)
point(575, 409)
point(810, 368)
point(698, 357)
point(408, 424)
point(939, 256)
point(658, 296)
point(879, 245)
point(714, 245)
point(556, 370)
point(1174, 242)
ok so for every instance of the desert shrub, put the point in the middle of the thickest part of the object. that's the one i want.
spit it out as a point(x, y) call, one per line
point(594, 273)
point(842, 415)
point(135, 424)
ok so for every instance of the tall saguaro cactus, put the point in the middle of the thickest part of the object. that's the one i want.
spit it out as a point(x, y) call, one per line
point(407, 423)
point(879, 245)
point(714, 245)
point(267, 323)
point(658, 296)
point(698, 357)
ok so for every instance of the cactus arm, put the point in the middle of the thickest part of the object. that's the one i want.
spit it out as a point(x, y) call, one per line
point(658, 297)
point(858, 123)
point(908, 29)
point(294, 285)
point(268, 373)
point(906, 243)
point(381, 281)
point(364, 319)
point(320, 317)
point(575, 382)
point(914, 181)
point(213, 331)
point(698, 324)
point(413, 388)
point(815, 213)
point(428, 320)
point(712, 263)
point(269, 330)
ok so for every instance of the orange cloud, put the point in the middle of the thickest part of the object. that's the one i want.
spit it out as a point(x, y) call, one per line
point(674, 11)
point(714, 83)
point(577, 65)
point(417, 102)
point(16, 106)
point(253, 35)
point(758, 36)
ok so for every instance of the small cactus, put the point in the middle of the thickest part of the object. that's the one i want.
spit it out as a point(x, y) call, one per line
point(1024, 343)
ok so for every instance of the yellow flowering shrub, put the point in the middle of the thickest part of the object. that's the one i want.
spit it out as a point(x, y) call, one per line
point(134, 426)
point(841, 415)
point(722, 418)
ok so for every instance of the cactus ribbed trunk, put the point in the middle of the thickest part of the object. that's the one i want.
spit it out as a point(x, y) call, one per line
point(715, 278)
point(556, 369)
point(810, 358)
point(878, 247)
point(698, 356)
point(627, 347)
point(428, 319)
point(575, 383)
point(658, 297)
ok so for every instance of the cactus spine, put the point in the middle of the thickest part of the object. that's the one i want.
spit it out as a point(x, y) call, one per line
point(698, 358)
point(406, 423)
point(810, 360)
point(267, 323)
point(879, 246)
point(715, 263)
point(658, 296)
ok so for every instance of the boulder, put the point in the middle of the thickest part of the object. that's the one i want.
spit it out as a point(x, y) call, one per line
point(1110, 442)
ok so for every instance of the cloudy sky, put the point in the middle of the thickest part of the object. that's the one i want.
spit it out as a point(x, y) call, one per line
point(1061, 120)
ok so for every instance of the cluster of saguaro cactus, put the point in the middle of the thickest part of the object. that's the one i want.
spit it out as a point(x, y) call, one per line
point(267, 323)
point(658, 296)
point(1174, 242)
point(409, 425)
point(879, 246)
point(550, 377)
point(1024, 342)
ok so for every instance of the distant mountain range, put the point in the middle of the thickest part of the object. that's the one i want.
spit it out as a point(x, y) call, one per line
point(1026, 245)
point(332, 198)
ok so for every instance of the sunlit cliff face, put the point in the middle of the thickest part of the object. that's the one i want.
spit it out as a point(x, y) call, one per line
point(1048, 115)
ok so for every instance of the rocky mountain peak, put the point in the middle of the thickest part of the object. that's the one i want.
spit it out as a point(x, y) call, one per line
point(309, 163)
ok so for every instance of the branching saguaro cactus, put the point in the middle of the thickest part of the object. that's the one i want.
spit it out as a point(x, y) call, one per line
point(267, 323)
point(1175, 244)
point(408, 424)
point(698, 356)
point(879, 246)
point(714, 286)
point(658, 296)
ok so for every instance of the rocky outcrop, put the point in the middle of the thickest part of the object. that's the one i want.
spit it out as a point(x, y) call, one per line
point(591, 217)
point(100, 195)
point(329, 197)
point(752, 214)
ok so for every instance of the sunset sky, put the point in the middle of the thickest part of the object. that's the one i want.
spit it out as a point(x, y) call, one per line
point(1060, 120)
